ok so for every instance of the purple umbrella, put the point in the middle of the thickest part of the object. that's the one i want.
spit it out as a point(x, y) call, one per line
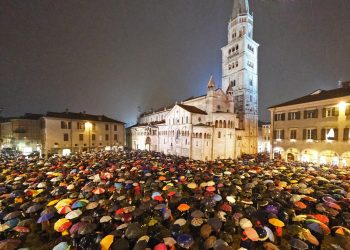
point(272, 209)
point(45, 217)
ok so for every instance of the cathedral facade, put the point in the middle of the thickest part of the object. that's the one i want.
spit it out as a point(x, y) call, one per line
point(221, 124)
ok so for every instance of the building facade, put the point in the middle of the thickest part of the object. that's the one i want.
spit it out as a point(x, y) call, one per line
point(67, 132)
point(313, 128)
point(264, 132)
point(220, 124)
point(21, 133)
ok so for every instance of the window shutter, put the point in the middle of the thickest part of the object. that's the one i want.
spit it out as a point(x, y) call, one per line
point(305, 114)
point(346, 134)
point(316, 113)
point(282, 134)
point(289, 115)
point(304, 134)
point(323, 134)
point(336, 134)
point(347, 110)
point(324, 112)
point(275, 117)
point(298, 115)
point(274, 134)
point(336, 111)
point(283, 116)
point(314, 134)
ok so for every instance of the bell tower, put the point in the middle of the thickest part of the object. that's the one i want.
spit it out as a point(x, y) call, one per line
point(240, 72)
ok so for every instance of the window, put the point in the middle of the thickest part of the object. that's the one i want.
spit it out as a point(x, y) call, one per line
point(308, 114)
point(219, 134)
point(106, 137)
point(251, 98)
point(310, 134)
point(66, 125)
point(218, 107)
point(65, 137)
point(115, 127)
point(80, 125)
point(115, 137)
point(280, 117)
point(251, 82)
point(93, 137)
point(279, 134)
point(94, 126)
point(81, 137)
point(329, 134)
point(293, 134)
point(330, 112)
point(294, 115)
point(199, 119)
point(106, 127)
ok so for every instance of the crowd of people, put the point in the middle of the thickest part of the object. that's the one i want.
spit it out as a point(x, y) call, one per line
point(147, 200)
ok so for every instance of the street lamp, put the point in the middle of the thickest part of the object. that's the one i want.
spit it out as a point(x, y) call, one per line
point(88, 125)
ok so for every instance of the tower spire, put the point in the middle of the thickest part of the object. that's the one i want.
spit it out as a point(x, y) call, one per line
point(240, 7)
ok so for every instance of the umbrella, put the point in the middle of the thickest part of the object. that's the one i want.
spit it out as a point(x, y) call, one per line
point(169, 241)
point(4, 227)
point(276, 222)
point(226, 207)
point(62, 203)
point(271, 209)
point(106, 242)
point(87, 228)
point(98, 191)
point(62, 225)
point(231, 199)
point(320, 217)
point(197, 214)
point(13, 222)
point(185, 241)
point(306, 234)
point(45, 217)
point(269, 233)
point(92, 205)
point(251, 234)
point(215, 223)
point(197, 222)
point(21, 229)
point(133, 231)
point(300, 205)
point(315, 227)
point(183, 207)
point(105, 218)
point(73, 214)
point(192, 185)
point(12, 215)
point(33, 209)
point(324, 227)
point(64, 210)
point(76, 226)
point(61, 246)
point(80, 203)
point(298, 244)
point(245, 223)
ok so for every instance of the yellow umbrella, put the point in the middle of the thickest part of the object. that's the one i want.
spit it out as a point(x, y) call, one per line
point(51, 203)
point(152, 222)
point(64, 202)
point(106, 242)
point(192, 185)
point(276, 222)
point(62, 224)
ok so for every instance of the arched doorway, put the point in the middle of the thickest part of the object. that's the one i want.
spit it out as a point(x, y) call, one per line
point(309, 155)
point(292, 154)
point(278, 153)
point(148, 143)
point(329, 157)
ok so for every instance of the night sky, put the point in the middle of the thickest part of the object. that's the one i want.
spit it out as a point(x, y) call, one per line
point(109, 57)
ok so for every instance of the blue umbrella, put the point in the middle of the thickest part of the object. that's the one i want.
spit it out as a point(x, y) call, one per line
point(12, 223)
point(272, 209)
point(45, 217)
point(315, 227)
point(217, 197)
point(185, 240)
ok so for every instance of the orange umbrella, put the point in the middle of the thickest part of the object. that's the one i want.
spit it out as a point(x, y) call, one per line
point(320, 217)
point(183, 207)
point(98, 191)
point(300, 205)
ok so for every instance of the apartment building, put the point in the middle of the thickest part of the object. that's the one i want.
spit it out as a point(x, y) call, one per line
point(67, 132)
point(313, 128)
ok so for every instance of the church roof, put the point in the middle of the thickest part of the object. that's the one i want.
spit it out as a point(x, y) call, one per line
point(318, 95)
point(240, 7)
point(192, 109)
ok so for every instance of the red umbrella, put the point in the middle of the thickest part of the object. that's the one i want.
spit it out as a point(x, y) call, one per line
point(158, 198)
point(119, 211)
point(210, 189)
point(21, 229)
point(226, 207)
point(98, 191)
